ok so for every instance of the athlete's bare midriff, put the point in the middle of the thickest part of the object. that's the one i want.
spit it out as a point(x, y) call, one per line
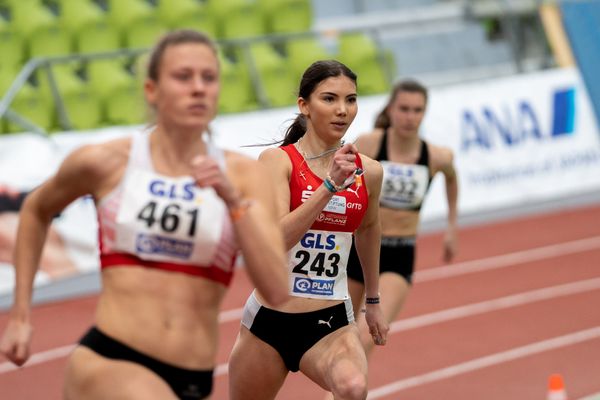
point(167, 314)
point(397, 223)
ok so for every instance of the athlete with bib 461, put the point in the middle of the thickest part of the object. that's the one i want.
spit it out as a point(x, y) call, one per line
point(173, 212)
point(326, 193)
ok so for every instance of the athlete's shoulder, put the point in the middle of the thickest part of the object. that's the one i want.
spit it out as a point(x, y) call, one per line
point(369, 143)
point(100, 158)
point(274, 155)
point(372, 168)
point(238, 159)
point(441, 157)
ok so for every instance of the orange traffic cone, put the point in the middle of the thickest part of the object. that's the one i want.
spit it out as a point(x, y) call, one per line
point(556, 388)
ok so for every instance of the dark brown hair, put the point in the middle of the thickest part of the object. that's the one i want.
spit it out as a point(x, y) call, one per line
point(316, 73)
point(407, 85)
point(182, 36)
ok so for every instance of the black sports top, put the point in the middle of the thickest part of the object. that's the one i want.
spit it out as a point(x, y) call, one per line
point(404, 186)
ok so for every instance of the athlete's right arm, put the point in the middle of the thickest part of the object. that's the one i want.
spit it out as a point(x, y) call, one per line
point(74, 178)
point(295, 223)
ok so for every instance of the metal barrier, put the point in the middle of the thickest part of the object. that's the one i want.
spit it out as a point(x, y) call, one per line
point(47, 63)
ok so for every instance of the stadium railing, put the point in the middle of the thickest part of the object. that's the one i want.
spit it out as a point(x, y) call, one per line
point(267, 92)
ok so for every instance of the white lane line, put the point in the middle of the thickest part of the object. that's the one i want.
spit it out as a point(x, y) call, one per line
point(508, 260)
point(483, 264)
point(441, 272)
point(483, 307)
point(487, 361)
point(514, 300)
point(40, 358)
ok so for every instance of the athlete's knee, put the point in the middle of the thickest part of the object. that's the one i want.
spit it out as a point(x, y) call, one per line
point(352, 387)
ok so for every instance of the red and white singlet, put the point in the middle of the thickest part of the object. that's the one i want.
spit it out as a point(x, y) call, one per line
point(318, 261)
point(165, 222)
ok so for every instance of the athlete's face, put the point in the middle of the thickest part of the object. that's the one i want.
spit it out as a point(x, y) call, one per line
point(186, 93)
point(406, 113)
point(331, 108)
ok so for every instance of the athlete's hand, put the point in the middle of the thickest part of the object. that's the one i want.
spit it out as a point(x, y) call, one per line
point(450, 245)
point(207, 173)
point(15, 342)
point(378, 326)
point(343, 164)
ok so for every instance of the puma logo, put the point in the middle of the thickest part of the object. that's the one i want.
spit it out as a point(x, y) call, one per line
point(321, 322)
point(355, 191)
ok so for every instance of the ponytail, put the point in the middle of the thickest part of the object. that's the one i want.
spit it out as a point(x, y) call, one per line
point(295, 131)
point(383, 120)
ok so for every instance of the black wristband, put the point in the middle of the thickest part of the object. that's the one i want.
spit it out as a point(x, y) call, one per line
point(372, 300)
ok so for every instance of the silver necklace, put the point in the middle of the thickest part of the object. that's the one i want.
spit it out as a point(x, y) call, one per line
point(329, 151)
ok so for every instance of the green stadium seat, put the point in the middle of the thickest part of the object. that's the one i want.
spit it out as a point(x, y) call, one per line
point(144, 32)
point(220, 8)
point(126, 106)
point(11, 46)
point(133, 18)
point(357, 45)
point(40, 29)
point(31, 105)
point(90, 27)
point(96, 37)
point(105, 75)
point(170, 10)
point(236, 94)
point(302, 52)
point(30, 15)
point(198, 18)
point(50, 41)
point(122, 12)
point(8, 73)
point(286, 16)
point(361, 54)
point(274, 75)
point(83, 109)
point(77, 14)
point(192, 14)
point(237, 19)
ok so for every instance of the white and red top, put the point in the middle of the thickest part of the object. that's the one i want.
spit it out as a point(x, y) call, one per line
point(169, 223)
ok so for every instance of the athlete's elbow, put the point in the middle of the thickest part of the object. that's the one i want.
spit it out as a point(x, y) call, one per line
point(278, 291)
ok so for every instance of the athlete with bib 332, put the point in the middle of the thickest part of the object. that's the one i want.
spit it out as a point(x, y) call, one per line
point(173, 212)
point(326, 193)
point(409, 165)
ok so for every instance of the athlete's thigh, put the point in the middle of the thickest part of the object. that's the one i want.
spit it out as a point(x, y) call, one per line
point(256, 370)
point(336, 356)
point(90, 376)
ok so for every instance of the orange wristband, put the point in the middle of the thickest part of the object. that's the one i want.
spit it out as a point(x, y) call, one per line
point(237, 213)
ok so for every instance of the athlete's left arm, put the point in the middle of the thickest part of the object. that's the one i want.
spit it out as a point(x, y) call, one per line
point(255, 221)
point(368, 241)
point(445, 160)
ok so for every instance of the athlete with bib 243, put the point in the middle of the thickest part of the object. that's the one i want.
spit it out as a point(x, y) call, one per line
point(409, 164)
point(326, 193)
point(173, 211)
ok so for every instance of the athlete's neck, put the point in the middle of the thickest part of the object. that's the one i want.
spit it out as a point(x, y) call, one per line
point(172, 152)
point(403, 144)
point(313, 148)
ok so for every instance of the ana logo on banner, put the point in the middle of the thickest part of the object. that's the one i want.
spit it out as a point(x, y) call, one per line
point(513, 127)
